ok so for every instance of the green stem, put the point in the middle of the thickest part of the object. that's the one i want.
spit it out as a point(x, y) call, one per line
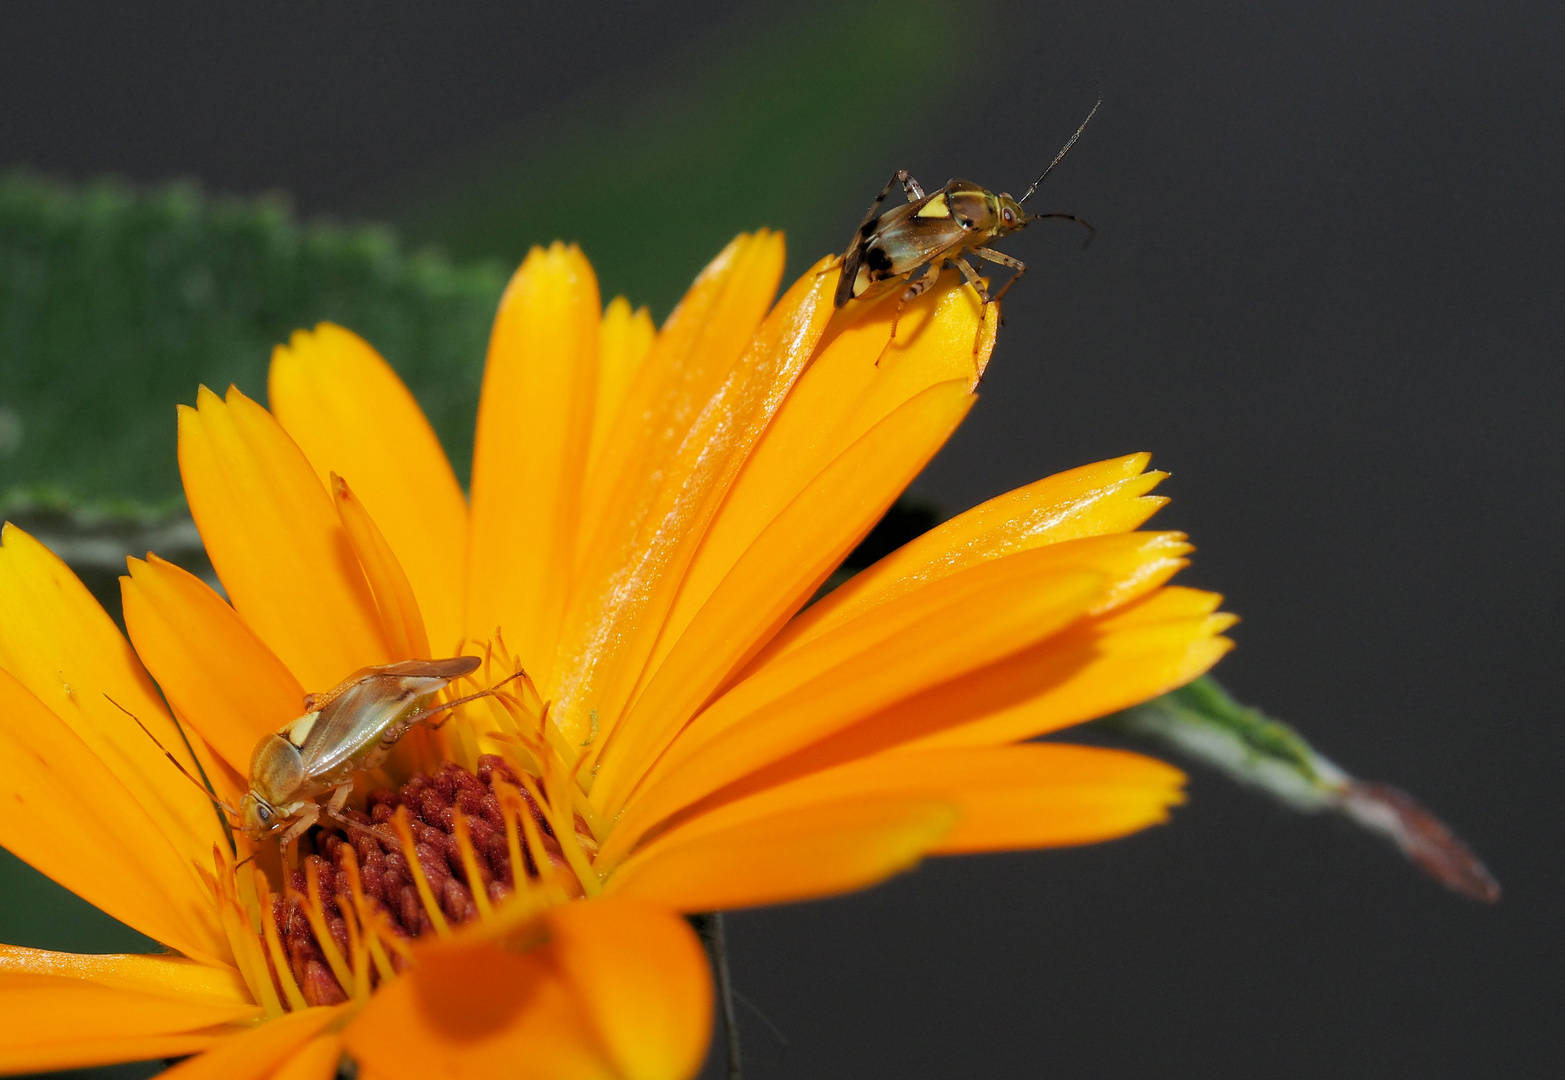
point(709, 926)
point(1202, 721)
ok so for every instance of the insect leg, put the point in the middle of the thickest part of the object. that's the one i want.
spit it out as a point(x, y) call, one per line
point(983, 292)
point(972, 278)
point(333, 811)
point(307, 817)
point(1004, 260)
point(431, 711)
point(339, 798)
point(910, 187)
point(912, 292)
point(917, 288)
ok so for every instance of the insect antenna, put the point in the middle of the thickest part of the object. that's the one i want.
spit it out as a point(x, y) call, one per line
point(1091, 232)
point(205, 789)
point(1063, 151)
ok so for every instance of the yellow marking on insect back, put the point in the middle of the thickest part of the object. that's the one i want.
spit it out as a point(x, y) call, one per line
point(300, 729)
point(936, 207)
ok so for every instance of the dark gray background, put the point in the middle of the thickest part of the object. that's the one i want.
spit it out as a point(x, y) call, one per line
point(1326, 292)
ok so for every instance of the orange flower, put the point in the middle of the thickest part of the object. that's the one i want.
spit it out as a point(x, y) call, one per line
point(649, 513)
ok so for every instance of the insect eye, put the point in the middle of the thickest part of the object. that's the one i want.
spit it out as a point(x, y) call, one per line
point(1010, 218)
point(263, 812)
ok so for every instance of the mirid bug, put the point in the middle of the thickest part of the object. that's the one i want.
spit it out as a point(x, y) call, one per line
point(932, 230)
point(349, 728)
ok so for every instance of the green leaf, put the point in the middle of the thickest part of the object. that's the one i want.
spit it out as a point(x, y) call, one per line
point(1203, 722)
point(115, 304)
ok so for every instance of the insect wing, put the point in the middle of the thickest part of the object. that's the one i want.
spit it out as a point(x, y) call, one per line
point(912, 242)
point(850, 272)
point(452, 668)
point(356, 719)
point(849, 284)
point(901, 243)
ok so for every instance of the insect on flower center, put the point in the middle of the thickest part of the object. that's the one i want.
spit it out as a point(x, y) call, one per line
point(439, 851)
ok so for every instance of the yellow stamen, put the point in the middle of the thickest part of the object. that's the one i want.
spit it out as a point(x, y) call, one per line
point(520, 737)
point(392, 940)
point(317, 917)
point(274, 947)
point(582, 804)
point(371, 919)
point(358, 951)
point(564, 825)
point(562, 799)
point(244, 945)
point(555, 739)
point(400, 822)
point(548, 875)
point(464, 847)
point(509, 811)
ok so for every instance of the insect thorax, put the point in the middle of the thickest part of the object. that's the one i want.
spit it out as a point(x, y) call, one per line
point(974, 208)
point(276, 770)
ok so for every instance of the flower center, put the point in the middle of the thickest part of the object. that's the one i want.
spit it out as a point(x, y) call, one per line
point(439, 851)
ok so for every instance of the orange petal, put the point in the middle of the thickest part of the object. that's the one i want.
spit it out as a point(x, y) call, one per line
point(1095, 668)
point(1109, 497)
point(1006, 797)
point(57, 641)
point(699, 343)
point(693, 446)
point(161, 976)
point(70, 817)
point(317, 1059)
point(1112, 663)
point(211, 667)
point(400, 620)
point(817, 850)
point(848, 388)
point(1052, 796)
point(260, 1050)
point(624, 340)
point(275, 541)
point(955, 625)
point(643, 977)
point(67, 1011)
point(1130, 564)
point(350, 413)
point(535, 421)
point(777, 574)
point(478, 1008)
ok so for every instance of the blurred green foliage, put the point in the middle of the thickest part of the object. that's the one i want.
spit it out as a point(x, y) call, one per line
point(115, 304)
point(790, 120)
point(39, 914)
